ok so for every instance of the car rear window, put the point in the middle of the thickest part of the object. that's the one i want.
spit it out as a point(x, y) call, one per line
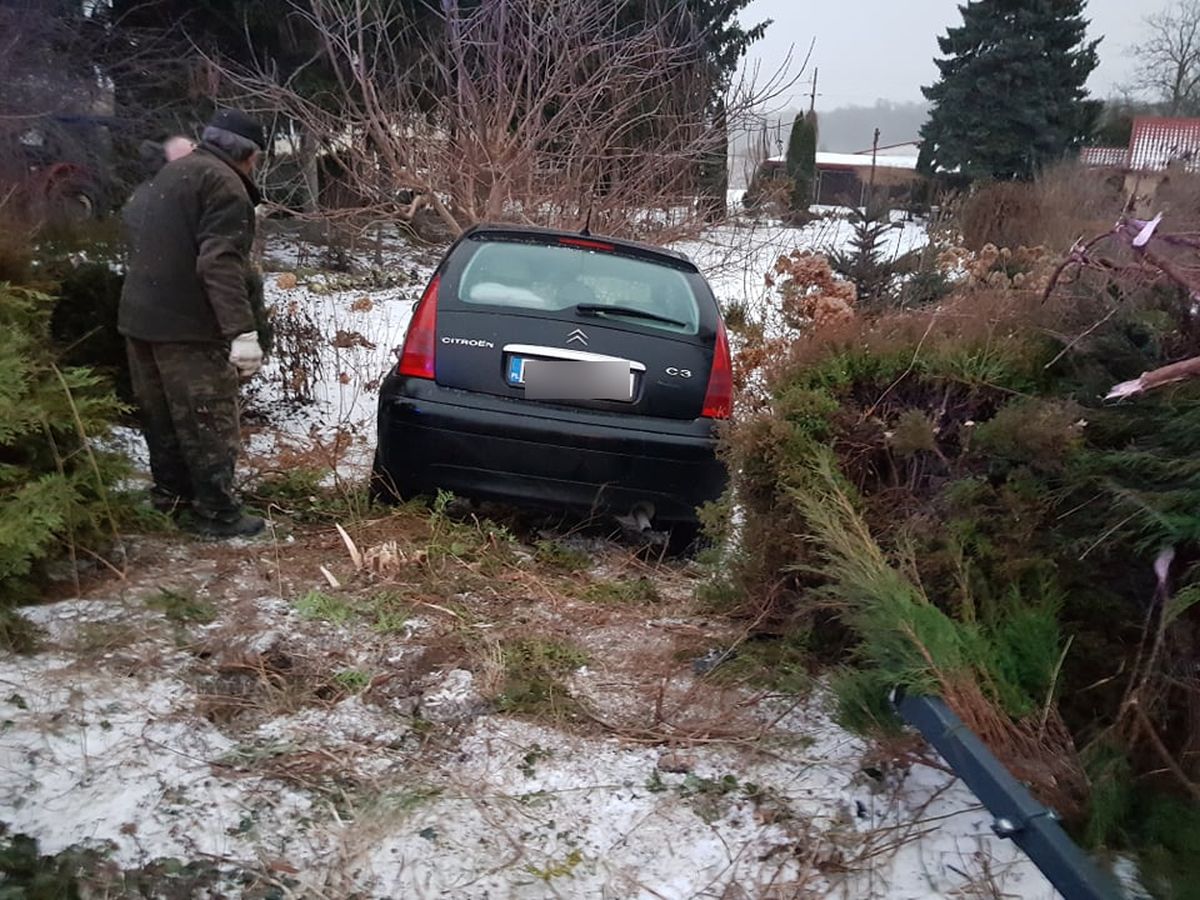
point(557, 278)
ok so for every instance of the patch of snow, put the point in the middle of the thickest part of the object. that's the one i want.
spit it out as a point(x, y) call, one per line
point(861, 160)
point(498, 808)
point(360, 331)
point(350, 721)
point(129, 441)
point(530, 812)
point(455, 699)
point(61, 621)
point(737, 256)
point(87, 757)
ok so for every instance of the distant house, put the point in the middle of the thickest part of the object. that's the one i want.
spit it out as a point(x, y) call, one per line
point(1157, 147)
point(1158, 144)
point(1104, 157)
point(843, 179)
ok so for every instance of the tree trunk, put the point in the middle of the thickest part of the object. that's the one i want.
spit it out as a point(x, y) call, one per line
point(310, 171)
point(714, 177)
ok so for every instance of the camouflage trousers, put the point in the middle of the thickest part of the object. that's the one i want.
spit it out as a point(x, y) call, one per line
point(188, 398)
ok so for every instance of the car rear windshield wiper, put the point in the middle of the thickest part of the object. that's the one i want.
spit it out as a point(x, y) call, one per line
point(596, 309)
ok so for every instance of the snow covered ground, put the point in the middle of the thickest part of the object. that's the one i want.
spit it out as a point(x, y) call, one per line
point(736, 256)
point(115, 752)
point(358, 332)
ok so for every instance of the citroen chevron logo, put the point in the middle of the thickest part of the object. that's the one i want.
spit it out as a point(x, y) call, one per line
point(577, 337)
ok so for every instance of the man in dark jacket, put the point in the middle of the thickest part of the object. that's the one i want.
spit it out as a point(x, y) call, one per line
point(189, 323)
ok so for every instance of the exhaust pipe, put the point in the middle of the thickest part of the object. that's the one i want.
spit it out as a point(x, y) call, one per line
point(639, 518)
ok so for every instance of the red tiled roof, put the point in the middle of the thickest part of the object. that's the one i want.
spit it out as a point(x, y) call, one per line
point(1104, 157)
point(1159, 141)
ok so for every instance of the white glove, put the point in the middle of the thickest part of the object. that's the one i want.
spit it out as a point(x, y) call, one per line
point(246, 354)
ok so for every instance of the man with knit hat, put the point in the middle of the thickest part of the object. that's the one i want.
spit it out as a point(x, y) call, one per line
point(191, 314)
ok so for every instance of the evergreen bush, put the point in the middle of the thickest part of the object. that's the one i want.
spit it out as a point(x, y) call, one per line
point(863, 262)
point(83, 269)
point(56, 483)
point(801, 162)
point(1011, 95)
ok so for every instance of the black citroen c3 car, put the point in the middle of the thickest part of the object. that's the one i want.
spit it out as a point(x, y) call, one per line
point(568, 371)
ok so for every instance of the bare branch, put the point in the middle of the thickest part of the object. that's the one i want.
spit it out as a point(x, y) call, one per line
point(525, 110)
point(1169, 58)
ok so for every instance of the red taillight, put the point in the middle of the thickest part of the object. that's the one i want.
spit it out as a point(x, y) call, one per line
point(719, 400)
point(587, 245)
point(420, 346)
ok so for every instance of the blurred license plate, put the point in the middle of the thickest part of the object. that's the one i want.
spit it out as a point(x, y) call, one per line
point(554, 379)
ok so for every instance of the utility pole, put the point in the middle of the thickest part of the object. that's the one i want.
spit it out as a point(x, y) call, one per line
point(812, 102)
point(874, 158)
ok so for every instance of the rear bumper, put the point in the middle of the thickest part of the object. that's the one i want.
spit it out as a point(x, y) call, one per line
point(431, 437)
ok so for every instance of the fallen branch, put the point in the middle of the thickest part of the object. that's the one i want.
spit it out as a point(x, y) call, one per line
point(355, 556)
point(1156, 378)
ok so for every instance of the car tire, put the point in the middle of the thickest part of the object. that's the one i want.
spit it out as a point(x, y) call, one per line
point(684, 538)
point(382, 489)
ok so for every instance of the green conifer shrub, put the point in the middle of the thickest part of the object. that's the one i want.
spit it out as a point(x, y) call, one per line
point(801, 161)
point(1011, 95)
point(56, 482)
point(864, 262)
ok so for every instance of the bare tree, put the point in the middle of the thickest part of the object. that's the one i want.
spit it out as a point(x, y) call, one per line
point(545, 112)
point(1169, 58)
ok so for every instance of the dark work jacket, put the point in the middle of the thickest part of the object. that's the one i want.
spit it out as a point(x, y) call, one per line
point(188, 276)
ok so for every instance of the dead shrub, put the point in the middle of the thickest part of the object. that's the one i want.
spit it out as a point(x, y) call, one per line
point(1040, 753)
point(1178, 198)
point(808, 299)
point(1064, 202)
point(297, 352)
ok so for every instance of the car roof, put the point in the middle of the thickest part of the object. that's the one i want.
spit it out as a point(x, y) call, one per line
point(635, 247)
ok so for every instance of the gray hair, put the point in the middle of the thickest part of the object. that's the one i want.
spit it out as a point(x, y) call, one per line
point(238, 147)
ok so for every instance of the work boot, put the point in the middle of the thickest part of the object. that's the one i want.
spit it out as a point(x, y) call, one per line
point(242, 526)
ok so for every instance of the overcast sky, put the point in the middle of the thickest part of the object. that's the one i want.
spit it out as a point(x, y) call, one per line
point(869, 50)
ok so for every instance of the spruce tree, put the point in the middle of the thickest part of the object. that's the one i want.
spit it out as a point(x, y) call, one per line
point(863, 262)
point(1011, 95)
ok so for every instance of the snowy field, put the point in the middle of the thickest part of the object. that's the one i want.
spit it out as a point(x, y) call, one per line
point(113, 747)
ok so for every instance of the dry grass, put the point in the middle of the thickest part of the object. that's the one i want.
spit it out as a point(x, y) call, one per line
point(1066, 201)
point(258, 688)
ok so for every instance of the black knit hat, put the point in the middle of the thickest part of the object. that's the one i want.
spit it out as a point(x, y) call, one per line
point(239, 123)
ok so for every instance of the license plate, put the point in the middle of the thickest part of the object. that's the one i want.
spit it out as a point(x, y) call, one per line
point(573, 380)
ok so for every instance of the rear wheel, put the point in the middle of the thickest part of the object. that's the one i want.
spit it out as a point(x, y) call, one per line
point(383, 489)
point(69, 196)
point(684, 538)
